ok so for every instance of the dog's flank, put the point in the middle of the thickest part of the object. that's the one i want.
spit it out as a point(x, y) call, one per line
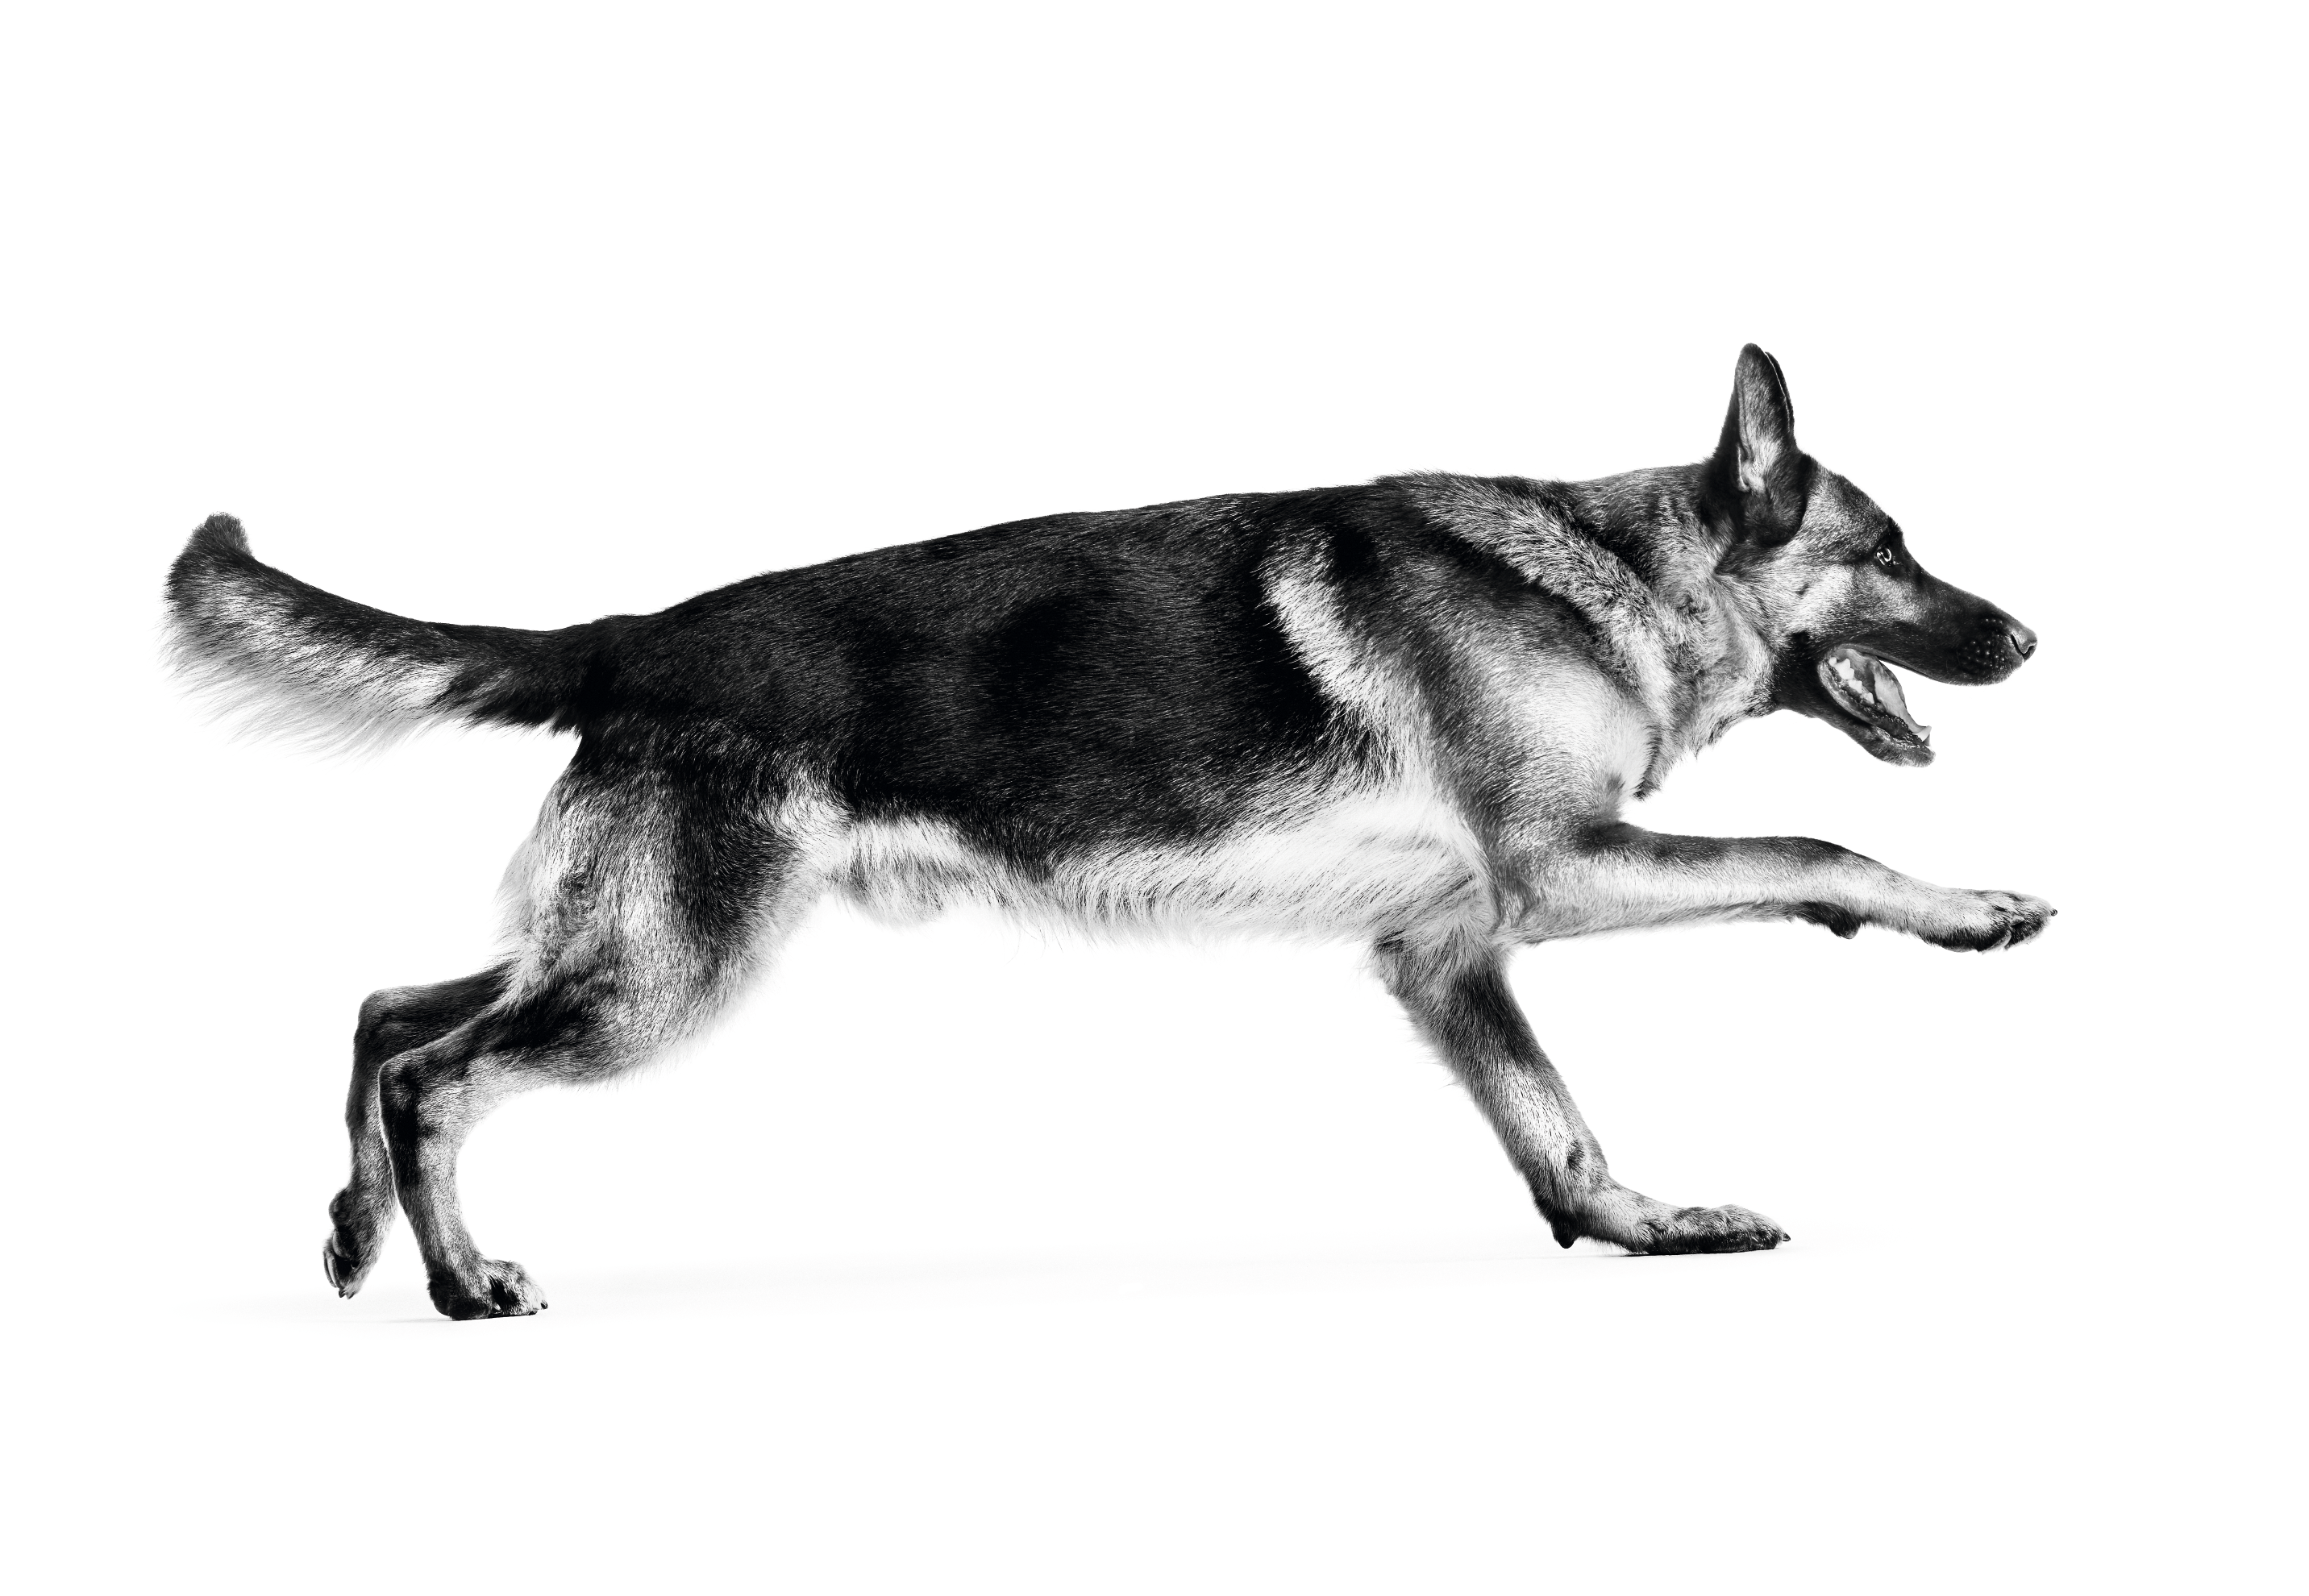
point(1407, 713)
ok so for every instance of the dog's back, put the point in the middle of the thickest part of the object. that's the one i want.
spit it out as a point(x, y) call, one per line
point(1043, 691)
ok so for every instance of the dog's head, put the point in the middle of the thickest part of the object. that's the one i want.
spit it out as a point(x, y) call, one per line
point(1842, 598)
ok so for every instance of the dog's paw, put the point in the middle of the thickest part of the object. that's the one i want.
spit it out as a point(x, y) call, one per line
point(1725, 1230)
point(344, 1263)
point(499, 1290)
point(1628, 1218)
point(1976, 922)
point(358, 1237)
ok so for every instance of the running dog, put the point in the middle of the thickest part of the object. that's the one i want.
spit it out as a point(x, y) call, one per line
point(1407, 713)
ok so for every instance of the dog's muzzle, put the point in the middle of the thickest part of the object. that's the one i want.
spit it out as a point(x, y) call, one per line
point(1858, 680)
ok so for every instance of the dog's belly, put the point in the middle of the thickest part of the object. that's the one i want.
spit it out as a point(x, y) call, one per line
point(1361, 867)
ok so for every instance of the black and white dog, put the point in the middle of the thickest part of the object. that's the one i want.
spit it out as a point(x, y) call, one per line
point(1407, 713)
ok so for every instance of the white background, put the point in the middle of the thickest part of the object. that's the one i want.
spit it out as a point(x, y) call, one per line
point(966, 1259)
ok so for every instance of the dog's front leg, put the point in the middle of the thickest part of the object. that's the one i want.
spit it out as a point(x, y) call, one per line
point(1458, 997)
point(1618, 876)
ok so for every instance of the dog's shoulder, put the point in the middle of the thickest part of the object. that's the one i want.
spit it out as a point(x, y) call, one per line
point(1551, 538)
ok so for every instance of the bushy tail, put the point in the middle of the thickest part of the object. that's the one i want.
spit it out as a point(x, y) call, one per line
point(295, 660)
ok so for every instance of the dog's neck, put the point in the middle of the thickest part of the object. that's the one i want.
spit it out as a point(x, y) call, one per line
point(1715, 632)
point(1636, 556)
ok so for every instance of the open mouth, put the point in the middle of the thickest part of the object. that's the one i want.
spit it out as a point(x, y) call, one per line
point(1865, 689)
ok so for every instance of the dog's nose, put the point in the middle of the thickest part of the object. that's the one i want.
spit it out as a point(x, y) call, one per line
point(2023, 639)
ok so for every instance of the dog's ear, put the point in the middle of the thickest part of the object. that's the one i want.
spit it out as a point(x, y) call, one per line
point(1759, 478)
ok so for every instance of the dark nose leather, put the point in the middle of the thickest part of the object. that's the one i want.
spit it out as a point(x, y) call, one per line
point(2023, 639)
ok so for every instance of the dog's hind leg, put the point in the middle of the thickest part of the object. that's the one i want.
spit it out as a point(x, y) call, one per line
point(391, 1022)
point(638, 906)
point(1457, 996)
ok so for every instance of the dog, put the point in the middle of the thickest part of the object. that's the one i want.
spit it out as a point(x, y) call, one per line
point(1407, 712)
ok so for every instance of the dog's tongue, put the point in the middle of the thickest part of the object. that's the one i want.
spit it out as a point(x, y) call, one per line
point(1885, 688)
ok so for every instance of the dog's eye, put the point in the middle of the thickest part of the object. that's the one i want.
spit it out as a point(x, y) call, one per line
point(1887, 558)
